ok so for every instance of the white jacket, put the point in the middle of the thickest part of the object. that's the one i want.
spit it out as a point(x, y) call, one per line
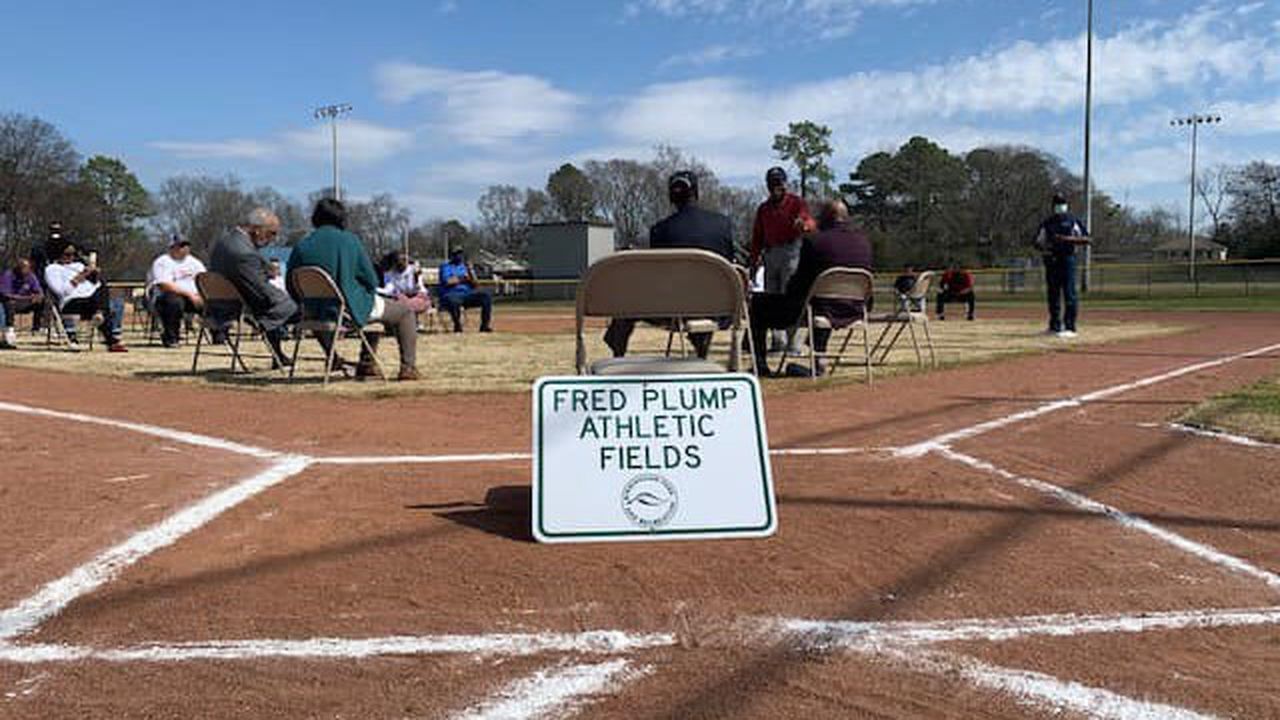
point(57, 278)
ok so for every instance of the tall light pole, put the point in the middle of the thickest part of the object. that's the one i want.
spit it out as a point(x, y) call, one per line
point(1088, 123)
point(332, 113)
point(1195, 121)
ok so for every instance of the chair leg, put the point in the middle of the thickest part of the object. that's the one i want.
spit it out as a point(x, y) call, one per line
point(235, 348)
point(813, 354)
point(382, 373)
point(915, 343)
point(866, 347)
point(933, 356)
point(195, 359)
point(293, 364)
point(843, 346)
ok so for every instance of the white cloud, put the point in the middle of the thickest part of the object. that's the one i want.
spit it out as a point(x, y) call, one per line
point(833, 18)
point(711, 55)
point(485, 107)
point(236, 149)
point(973, 98)
point(359, 142)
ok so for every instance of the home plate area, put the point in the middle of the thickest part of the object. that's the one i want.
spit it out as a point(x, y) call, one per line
point(952, 576)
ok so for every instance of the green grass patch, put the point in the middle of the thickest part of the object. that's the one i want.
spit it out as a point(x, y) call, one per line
point(1253, 411)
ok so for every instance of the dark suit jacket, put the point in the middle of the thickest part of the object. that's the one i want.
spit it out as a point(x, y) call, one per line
point(839, 245)
point(693, 227)
point(235, 257)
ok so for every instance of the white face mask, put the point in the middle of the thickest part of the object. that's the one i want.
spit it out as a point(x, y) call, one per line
point(1060, 209)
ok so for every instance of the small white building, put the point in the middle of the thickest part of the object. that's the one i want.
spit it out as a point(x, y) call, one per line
point(1180, 251)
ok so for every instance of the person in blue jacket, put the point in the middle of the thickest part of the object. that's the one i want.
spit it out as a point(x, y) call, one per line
point(1057, 239)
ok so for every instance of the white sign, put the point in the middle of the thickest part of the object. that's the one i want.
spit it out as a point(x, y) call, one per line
point(650, 458)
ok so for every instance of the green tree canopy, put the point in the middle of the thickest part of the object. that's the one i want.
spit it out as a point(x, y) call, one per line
point(807, 145)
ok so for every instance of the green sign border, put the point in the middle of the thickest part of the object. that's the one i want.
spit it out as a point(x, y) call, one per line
point(762, 455)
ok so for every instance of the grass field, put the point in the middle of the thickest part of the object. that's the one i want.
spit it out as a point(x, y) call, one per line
point(1253, 411)
point(511, 361)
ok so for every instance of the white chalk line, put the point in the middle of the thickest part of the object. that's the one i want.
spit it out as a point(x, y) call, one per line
point(1038, 690)
point(1222, 435)
point(187, 438)
point(1081, 502)
point(556, 693)
point(873, 635)
point(941, 441)
point(56, 595)
point(591, 642)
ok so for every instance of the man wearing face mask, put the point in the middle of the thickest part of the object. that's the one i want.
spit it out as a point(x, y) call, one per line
point(1057, 239)
point(458, 290)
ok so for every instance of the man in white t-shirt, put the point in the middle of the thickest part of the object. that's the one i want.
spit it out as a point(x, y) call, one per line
point(171, 285)
point(80, 290)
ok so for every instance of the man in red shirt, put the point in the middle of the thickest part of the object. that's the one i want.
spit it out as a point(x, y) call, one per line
point(956, 286)
point(781, 221)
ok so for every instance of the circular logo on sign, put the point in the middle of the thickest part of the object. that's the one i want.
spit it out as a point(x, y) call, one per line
point(650, 501)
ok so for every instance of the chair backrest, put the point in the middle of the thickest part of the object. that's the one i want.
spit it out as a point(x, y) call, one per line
point(923, 282)
point(215, 288)
point(319, 296)
point(661, 284)
point(842, 283)
point(668, 284)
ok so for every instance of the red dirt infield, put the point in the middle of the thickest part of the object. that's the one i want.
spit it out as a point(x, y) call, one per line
point(431, 563)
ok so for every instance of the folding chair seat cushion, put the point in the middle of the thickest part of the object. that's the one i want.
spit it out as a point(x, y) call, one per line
point(654, 365)
point(822, 322)
point(700, 327)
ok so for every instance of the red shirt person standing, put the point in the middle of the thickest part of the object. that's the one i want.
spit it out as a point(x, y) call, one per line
point(956, 286)
point(781, 221)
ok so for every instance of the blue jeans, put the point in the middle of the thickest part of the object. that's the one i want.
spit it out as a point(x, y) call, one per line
point(1060, 278)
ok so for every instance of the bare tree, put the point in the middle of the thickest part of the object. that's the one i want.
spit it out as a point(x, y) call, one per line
point(1212, 186)
point(38, 167)
point(201, 208)
point(624, 192)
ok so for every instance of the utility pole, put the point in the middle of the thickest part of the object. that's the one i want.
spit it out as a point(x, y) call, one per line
point(1195, 121)
point(1088, 123)
point(332, 113)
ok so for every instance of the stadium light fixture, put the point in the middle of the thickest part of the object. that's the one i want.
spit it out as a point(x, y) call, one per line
point(1195, 120)
point(332, 113)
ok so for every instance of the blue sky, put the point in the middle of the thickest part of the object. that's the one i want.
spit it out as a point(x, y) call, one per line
point(453, 95)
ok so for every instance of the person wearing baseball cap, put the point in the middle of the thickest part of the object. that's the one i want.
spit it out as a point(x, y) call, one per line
point(781, 221)
point(1056, 240)
point(689, 226)
point(171, 287)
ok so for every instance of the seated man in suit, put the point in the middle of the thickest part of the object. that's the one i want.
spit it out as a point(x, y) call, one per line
point(689, 227)
point(835, 245)
point(458, 290)
point(236, 257)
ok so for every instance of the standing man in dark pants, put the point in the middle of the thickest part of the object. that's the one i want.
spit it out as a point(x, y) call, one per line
point(689, 227)
point(781, 222)
point(1057, 239)
point(836, 244)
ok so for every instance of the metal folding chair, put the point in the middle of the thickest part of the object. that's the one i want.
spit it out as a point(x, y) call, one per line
point(914, 310)
point(319, 297)
point(679, 285)
point(224, 306)
point(842, 284)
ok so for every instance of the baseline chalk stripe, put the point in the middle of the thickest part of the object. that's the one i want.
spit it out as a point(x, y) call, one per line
point(940, 441)
point(594, 642)
point(557, 693)
point(1040, 691)
point(181, 436)
point(1223, 436)
point(650, 458)
point(1076, 500)
point(52, 598)
point(855, 635)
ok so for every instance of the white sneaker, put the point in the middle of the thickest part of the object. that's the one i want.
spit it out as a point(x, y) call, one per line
point(1067, 334)
point(10, 337)
point(73, 345)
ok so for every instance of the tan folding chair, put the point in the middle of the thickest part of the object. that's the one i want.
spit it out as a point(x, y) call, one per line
point(905, 317)
point(223, 305)
point(844, 284)
point(319, 296)
point(675, 285)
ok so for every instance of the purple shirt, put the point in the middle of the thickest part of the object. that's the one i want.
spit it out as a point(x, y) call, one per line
point(13, 286)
